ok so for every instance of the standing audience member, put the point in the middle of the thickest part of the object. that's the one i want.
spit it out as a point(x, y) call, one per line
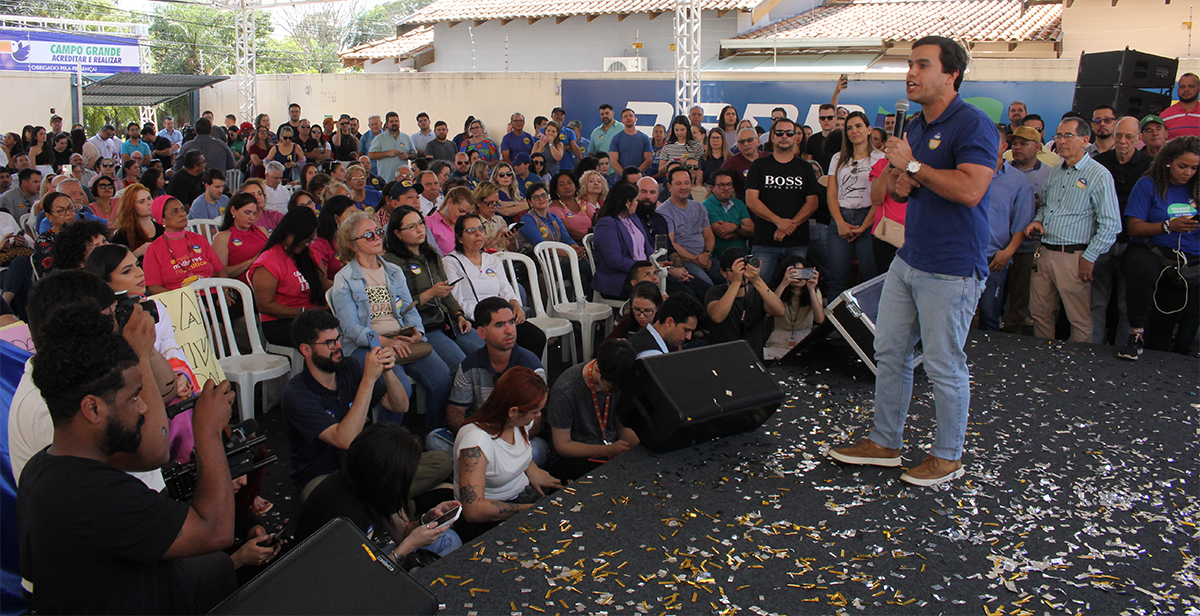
point(1127, 165)
point(851, 206)
point(630, 147)
point(1078, 215)
point(1164, 305)
point(1010, 210)
point(1183, 118)
point(781, 193)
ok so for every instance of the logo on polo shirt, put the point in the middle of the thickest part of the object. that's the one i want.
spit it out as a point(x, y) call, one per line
point(935, 141)
point(1081, 183)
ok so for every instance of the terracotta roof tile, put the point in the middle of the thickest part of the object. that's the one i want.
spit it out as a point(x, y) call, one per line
point(392, 46)
point(907, 20)
point(463, 10)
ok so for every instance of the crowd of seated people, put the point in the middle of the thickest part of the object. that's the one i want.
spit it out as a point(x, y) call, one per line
point(379, 257)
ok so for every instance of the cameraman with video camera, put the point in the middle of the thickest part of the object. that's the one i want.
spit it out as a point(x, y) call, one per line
point(739, 310)
point(29, 424)
point(130, 550)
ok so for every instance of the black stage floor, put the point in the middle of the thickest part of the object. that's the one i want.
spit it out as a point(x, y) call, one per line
point(1080, 497)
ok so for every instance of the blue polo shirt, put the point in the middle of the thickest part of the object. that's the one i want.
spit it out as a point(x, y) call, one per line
point(565, 137)
point(940, 236)
point(1010, 207)
point(515, 144)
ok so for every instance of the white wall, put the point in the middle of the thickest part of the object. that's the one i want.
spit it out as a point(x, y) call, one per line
point(1152, 26)
point(574, 45)
point(31, 98)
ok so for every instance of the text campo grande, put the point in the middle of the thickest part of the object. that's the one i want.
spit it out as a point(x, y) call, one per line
point(89, 54)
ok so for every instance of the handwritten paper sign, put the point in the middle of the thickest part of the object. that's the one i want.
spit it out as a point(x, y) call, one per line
point(190, 334)
point(17, 335)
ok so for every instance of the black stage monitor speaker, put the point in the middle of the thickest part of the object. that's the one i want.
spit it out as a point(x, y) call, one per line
point(335, 571)
point(1126, 100)
point(1130, 68)
point(680, 399)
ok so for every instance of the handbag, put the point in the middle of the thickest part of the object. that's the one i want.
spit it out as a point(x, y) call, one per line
point(891, 232)
point(416, 352)
point(12, 252)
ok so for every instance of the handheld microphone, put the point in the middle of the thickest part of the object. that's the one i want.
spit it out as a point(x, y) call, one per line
point(901, 114)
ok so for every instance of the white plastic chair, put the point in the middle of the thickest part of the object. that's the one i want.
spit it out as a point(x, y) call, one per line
point(561, 306)
point(204, 226)
point(25, 224)
point(233, 179)
point(243, 370)
point(551, 326)
point(588, 241)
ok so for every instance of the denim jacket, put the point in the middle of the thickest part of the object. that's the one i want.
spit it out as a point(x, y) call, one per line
point(349, 295)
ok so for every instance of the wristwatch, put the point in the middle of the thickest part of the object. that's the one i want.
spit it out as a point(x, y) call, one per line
point(913, 167)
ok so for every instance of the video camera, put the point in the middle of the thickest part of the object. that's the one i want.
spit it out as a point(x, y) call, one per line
point(181, 478)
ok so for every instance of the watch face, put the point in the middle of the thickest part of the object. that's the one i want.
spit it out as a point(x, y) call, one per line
point(913, 166)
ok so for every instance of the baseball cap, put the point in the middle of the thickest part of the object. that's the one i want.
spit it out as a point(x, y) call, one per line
point(403, 186)
point(1025, 132)
point(1148, 119)
point(521, 159)
point(557, 110)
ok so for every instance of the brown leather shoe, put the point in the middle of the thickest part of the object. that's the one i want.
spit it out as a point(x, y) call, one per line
point(866, 451)
point(933, 471)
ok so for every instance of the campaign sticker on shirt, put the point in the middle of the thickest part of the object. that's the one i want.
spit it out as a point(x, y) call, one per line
point(196, 248)
point(570, 214)
point(1081, 183)
point(935, 141)
point(545, 232)
point(526, 140)
point(1175, 210)
point(237, 241)
point(415, 269)
point(490, 272)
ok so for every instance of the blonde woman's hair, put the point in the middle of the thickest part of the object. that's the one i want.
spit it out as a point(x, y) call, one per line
point(345, 235)
point(583, 185)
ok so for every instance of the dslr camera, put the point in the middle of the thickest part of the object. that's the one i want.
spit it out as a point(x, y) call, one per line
point(126, 304)
point(751, 260)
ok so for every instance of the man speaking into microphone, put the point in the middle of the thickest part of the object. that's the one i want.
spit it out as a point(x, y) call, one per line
point(942, 167)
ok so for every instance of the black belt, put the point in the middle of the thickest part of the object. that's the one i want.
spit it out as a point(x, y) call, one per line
point(1065, 247)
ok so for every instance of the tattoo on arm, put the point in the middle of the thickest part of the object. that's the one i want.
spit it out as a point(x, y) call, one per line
point(469, 458)
point(507, 508)
point(466, 494)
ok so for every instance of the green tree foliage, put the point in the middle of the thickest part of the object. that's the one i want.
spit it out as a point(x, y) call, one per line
point(379, 21)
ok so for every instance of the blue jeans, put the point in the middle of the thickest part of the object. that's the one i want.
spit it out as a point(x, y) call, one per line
point(709, 278)
point(991, 302)
point(772, 256)
point(935, 309)
point(841, 253)
point(434, 375)
point(818, 250)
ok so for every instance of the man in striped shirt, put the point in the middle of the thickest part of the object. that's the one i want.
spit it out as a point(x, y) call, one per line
point(1077, 222)
point(1183, 118)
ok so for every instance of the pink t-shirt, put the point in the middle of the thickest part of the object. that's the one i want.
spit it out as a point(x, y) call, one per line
point(270, 219)
point(579, 223)
point(891, 209)
point(173, 263)
point(326, 255)
point(292, 289)
point(443, 232)
point(244, 246)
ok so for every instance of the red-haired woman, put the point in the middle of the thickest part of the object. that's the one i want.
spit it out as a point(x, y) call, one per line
point(494, 472)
